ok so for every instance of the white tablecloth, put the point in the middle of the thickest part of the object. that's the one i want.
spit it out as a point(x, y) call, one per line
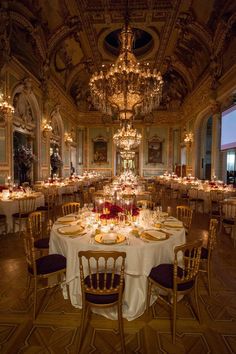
point(11, 206)
point(141, 257)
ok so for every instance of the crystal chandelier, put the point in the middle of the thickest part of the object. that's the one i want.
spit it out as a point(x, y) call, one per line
point(127, 154)
point(46, 126)
point(127, 138)
point(126, 87)
point(5, 107)
point(68, 138)
point(188, 138)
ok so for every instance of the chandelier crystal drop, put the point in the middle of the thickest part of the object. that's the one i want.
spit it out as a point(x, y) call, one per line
point(127, 138)
point(126, 88)
point(127, 154)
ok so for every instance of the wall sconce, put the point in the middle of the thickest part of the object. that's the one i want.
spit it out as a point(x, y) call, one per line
point(188, 139)
point(68, 138)
point(5, 107)
point(46, 127)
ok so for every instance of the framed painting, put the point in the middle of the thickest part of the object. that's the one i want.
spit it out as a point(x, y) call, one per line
point(155, 150)
point(99, 150)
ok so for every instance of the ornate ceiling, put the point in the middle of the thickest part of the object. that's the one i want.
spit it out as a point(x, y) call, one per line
point(69, 39)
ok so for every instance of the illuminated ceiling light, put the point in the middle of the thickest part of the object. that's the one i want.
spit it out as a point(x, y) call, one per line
point(127, 87)
point(68, 138)
point(5, 107)
point(46, 126)
point(127, 138)
point(188, 138)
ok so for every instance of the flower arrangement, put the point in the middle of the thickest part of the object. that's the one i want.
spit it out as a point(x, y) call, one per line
point(24, 157)
point(114, 210)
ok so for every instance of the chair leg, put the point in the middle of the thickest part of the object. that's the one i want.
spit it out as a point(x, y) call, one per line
point(121, 329)
point(28, 285)
point(35, 297)
point(149, 290)
point(196, 295)
point(82, 326)
point(174, 317)
point(209, 277)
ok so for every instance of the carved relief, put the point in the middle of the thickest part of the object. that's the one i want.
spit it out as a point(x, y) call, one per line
point(22, 102)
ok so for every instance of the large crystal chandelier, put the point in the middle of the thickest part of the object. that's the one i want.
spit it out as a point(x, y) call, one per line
point(127, 87)
point(127, 138)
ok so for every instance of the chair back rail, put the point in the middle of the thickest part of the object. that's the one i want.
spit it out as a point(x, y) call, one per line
point(93, 263)
point(70, 208)
point(190, 265)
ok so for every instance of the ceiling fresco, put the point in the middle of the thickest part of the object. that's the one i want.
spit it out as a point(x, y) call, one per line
point(70, 39)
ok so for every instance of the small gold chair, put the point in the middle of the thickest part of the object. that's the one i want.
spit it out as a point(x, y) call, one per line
point(206, 252)
point(3, 222)
point(179, 278)
point(185, 214)
point(70, 208)
point(102, 285)
point(49, 209)
point(195, 200)
point(145, 204)
point(26, 206)
point(35, 222)
point(42, 269)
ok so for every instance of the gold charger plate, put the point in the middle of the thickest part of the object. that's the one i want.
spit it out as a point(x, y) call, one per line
point(149, 237)
point(173, 225)
point(77, 231)
point(119, 239)
point(66, 219)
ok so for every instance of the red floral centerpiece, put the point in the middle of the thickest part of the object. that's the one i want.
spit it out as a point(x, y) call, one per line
point(113, 210)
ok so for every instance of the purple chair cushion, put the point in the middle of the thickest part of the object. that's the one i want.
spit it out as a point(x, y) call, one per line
point(42, 243)
point(163, 275)
point(43, 207)
point(204, 253)
point(18, 215)
point(102, 299)
point(228, 221)
point(49, 264)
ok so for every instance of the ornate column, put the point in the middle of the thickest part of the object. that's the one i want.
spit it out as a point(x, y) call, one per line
point(215, 144)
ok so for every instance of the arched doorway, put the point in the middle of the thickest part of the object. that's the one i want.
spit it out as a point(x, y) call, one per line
point(56, 143)
point(208, 145)
point(25, 133)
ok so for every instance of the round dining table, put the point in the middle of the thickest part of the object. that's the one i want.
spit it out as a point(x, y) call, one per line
point(10, 206)
point(141, 256)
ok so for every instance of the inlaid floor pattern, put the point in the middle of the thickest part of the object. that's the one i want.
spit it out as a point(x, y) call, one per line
point(56, 328)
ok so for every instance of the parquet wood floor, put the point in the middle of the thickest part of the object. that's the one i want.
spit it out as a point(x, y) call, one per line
point(56, 328)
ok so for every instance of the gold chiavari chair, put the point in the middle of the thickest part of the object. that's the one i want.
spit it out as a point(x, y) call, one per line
point(145, 204)
point(3, 222)
point(68, 194)
point(102, 285)
point(206, 252)
point(37, 229)
point(228, 218)
point(51, 204)
point(179, 278)
point(70, 208)
point(216, 197)
point(25, 206)
point(195, 200)
point(91, 192)
point(185, 214)
point(41, 269)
